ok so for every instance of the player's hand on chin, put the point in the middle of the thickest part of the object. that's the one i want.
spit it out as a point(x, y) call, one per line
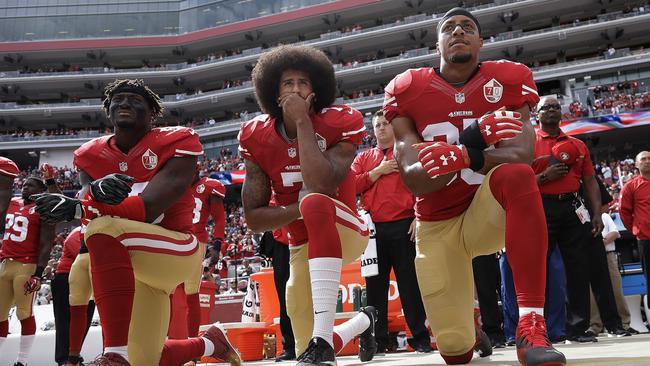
point(295, 108)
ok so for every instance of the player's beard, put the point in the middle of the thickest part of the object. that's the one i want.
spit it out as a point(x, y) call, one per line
point(461, 58)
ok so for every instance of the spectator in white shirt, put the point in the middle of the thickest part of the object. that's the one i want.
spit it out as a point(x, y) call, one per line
point(610, 234)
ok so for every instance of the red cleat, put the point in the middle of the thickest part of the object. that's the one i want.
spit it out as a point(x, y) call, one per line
point(223, 349)
point(533, 345)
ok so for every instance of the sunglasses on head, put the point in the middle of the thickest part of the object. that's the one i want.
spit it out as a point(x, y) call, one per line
point(546, 107)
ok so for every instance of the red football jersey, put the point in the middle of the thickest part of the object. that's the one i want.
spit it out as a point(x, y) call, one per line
point(71, 247)
point(8, 168)
point(100, 157)
point(202, 191)
point(440, 112)
point(260, 143)
point(22, 232)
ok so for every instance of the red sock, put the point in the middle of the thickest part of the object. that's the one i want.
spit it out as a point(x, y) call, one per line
point(319, 214)
point(179, 351)
point(28, 326)
point(4, 328)
point(113, 286)
point(514, 186)
point(78, 321)
point(458, 359)
point(193, 315)
point(338, 343)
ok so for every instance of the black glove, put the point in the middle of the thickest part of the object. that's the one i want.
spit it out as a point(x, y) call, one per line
point(111, 189)
point(54, 208)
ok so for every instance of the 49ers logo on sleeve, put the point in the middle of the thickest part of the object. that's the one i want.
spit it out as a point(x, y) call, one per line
point(493, 91)
point(149, 159)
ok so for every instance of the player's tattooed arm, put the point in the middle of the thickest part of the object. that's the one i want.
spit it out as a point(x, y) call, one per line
point(256, 194)
point(168, 186)
point(323, 172)
point(520, 149)
point(414, 176)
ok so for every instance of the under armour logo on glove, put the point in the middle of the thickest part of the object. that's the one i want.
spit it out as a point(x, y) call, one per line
point(500, 126)
point(439, 158)
point(444, 159)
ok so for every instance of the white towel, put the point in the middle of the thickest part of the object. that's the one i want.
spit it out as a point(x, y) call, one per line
point(369, 262)
point(249, 308)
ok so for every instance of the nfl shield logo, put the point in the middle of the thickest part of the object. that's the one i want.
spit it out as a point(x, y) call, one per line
point(322, 143)
point(292, 152)
point(493, 91)
point(124, 166)
point(149, 159)
point(200, 189)
point(460, 98)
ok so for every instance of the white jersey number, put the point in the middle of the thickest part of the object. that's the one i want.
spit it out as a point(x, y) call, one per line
point(449, 133)
point(17, 224)
point(196, 214)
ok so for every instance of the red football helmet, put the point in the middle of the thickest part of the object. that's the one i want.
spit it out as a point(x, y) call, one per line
point(565, 151)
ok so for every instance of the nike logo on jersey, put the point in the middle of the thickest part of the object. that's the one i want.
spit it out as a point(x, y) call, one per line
point(320, 312)
point(58, 204)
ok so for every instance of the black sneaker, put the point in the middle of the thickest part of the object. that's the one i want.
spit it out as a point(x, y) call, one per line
point(286, 356)
point(19, 364)
point(483, 346)
point(318, 353)
point(367, 342)
point(583, 338)
point(620, 332)
point(632, 331)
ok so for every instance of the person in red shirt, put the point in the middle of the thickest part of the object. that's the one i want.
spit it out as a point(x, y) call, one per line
point(562, 163)
point(26, 246)
point(298, 158)
point(136, 196)
point(390, 205)
point(61, 298)
point(635, 209)
point(471, 199)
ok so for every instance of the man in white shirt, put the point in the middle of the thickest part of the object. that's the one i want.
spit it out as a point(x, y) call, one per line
point(610, 234)
point(607, 175)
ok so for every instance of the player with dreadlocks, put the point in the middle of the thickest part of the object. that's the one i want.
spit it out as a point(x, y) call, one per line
point(137, 209)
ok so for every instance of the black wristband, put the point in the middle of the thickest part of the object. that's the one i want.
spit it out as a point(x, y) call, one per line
point(39, 271)
point(476, 158)
point(50, 182)
point(471, 137)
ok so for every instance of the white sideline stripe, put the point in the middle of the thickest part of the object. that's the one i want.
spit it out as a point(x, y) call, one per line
point(179, 151)
point(158, 244)
point(528, 88)
point(8, 173)
point(353, 132)
point(351, 219)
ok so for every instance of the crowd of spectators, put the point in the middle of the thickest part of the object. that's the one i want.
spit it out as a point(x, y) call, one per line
point(614, 174)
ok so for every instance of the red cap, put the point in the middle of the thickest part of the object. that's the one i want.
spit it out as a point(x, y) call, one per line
point(565, 151)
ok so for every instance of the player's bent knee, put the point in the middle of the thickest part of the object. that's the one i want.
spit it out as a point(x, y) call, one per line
point(103, 225)
point(516, 179)
point(315, 203)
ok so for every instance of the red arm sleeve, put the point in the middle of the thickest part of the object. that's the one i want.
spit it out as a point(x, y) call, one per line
point(627, 206)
